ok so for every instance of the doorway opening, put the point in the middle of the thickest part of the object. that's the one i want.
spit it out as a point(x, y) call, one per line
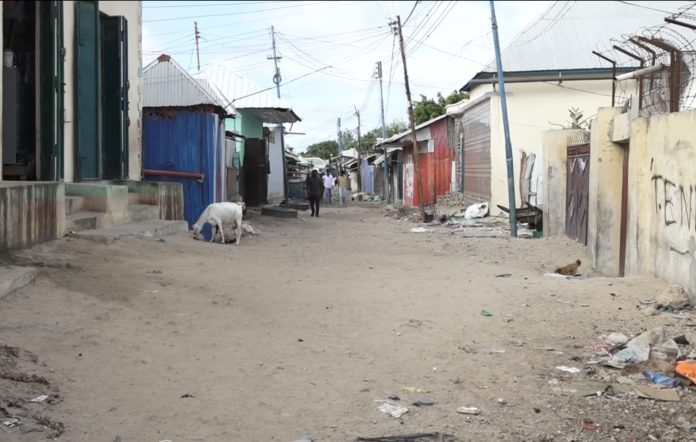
point(19, 91)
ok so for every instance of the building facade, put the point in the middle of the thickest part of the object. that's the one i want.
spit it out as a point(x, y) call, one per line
point(71, 90)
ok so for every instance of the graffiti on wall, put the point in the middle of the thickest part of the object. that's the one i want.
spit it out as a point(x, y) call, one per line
point(674, 200)
point(408, 179)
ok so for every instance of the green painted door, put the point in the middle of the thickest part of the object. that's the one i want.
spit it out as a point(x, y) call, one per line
point(115, 87)
point(51, 90)
point(88, 108)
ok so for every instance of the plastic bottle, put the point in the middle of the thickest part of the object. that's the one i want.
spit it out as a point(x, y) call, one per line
point(661, 379)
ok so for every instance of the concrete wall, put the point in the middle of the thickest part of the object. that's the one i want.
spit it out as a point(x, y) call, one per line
point(555, 172)
point(532, 107)
point(30, 214)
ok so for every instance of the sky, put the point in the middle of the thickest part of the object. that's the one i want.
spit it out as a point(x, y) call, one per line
point(329, 50)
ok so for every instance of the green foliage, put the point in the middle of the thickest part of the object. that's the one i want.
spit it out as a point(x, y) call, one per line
point(323, 150)
point(429, 108)
point(576, 120)
point(329, 148)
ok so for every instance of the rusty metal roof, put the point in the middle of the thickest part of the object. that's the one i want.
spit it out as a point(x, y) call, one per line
point(243, 94)
point(167, 84)
point(563, 37)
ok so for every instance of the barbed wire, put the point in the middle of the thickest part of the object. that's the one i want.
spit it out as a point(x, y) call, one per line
point(672, 46)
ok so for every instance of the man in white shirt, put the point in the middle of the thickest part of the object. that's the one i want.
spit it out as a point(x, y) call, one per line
point(329, 182)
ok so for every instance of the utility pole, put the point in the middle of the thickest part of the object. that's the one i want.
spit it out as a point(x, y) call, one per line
point(416, 161)
point(340, 147)
point(357, 112)
point(198, 54)
point(384, 134)
point(506, 127)
point(277, 79)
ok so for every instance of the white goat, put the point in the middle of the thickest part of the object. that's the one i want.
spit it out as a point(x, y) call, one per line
point(218, 214)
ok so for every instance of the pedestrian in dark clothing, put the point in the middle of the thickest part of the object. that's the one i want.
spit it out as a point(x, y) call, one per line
point(315, 188)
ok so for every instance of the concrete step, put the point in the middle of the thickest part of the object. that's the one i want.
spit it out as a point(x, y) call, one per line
point(133, 198)
point(82, 221)
point(73, 204)
point(150, 228)
point(141, 212)
point(15, 278)
point(278, 212)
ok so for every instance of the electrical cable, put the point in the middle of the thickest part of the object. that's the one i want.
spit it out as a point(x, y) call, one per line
point(410, 14)
point(234, 13)
point(203, 5)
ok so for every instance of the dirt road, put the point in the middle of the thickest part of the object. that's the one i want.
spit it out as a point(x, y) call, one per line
point(297, 331)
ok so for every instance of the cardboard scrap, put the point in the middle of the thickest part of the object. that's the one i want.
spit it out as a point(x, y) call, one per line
point(658, 394)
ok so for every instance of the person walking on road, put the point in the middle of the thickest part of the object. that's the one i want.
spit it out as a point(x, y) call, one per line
point(342, 187)
point(329, 182)
point(315, 186)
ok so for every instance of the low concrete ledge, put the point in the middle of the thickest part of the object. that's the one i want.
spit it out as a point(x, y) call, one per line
point(150, 228)
point(15, 278)
point(278, 212)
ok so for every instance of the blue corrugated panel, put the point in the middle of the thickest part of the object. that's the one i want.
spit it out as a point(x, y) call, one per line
point(176, 144)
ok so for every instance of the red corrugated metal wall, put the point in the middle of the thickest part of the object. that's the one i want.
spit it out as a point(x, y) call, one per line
point(436, 167)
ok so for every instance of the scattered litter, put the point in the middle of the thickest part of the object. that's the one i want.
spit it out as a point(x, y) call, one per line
point(493, 352)
point(563, 302)
point(468, 410)
point(687, 369)
point(616, 339)
point(428, 437)
point(658, 394)
point(584, 305)
point(485, 313)
point(661, 379)
point(164, 240)
point(41, 398)
point(394, 398)
point(12, 423)
point(154, 272)
point(414, 390)
point(504, 275)
point(420, 230)
point(598, 347)
point(187, 396)
point(305, 440)
point(674, 296)
point(580, 389)
point(425, 401)
point(588, 426)
point(392, 409)
point(569, 369)
point(555, 275)
point(681, 340)
point(476, 211)
point(502, 401)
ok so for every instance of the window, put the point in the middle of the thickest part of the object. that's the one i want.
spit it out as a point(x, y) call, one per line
point(426, 146)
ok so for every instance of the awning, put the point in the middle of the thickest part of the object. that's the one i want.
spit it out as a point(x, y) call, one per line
point(273, 116)
point(390, 151)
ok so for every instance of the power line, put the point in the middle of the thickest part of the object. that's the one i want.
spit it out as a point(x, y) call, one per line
point(648, 8)
point(235, 13)
point(203, 5)
point(411, 13)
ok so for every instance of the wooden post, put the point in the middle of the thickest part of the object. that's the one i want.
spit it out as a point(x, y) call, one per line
point(357, 112)
point(416, 161)
point(198, 55)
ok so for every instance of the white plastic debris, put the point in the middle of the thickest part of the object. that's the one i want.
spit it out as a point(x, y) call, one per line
point(476, 211)
point(569, 369)
point(468, 410)
point(615, 339)
point(41, 398)
point(392, 409)
point(420, 230)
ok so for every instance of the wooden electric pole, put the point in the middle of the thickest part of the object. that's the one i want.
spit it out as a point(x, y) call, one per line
point(198, 55)
point(357, 112)
point(416, 162)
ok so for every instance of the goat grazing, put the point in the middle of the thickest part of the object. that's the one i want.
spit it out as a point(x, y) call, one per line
point(218, 214)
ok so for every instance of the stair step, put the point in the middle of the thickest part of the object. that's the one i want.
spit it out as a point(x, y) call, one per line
point(73, 204)
point(142, 212)
point(150, 228)
point(133, 198)
point(80, 221)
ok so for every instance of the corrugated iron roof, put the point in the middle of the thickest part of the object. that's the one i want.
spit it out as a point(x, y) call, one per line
point(167, 84)
point(565, 34)
point(393, 139)
point(244, 94)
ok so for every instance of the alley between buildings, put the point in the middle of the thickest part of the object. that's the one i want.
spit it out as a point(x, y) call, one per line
point(298, 331)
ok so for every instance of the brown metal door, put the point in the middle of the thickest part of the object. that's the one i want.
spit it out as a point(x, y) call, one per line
point(577, 192)
point(476, 123)
point(255, 172)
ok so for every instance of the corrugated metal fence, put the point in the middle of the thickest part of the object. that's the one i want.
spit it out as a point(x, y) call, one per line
point(184, 142)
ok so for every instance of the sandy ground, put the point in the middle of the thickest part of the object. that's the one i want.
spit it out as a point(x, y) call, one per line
point(297, 331)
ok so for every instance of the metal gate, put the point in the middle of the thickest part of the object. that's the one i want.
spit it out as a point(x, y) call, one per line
point(476, 123)
point(577, 192)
